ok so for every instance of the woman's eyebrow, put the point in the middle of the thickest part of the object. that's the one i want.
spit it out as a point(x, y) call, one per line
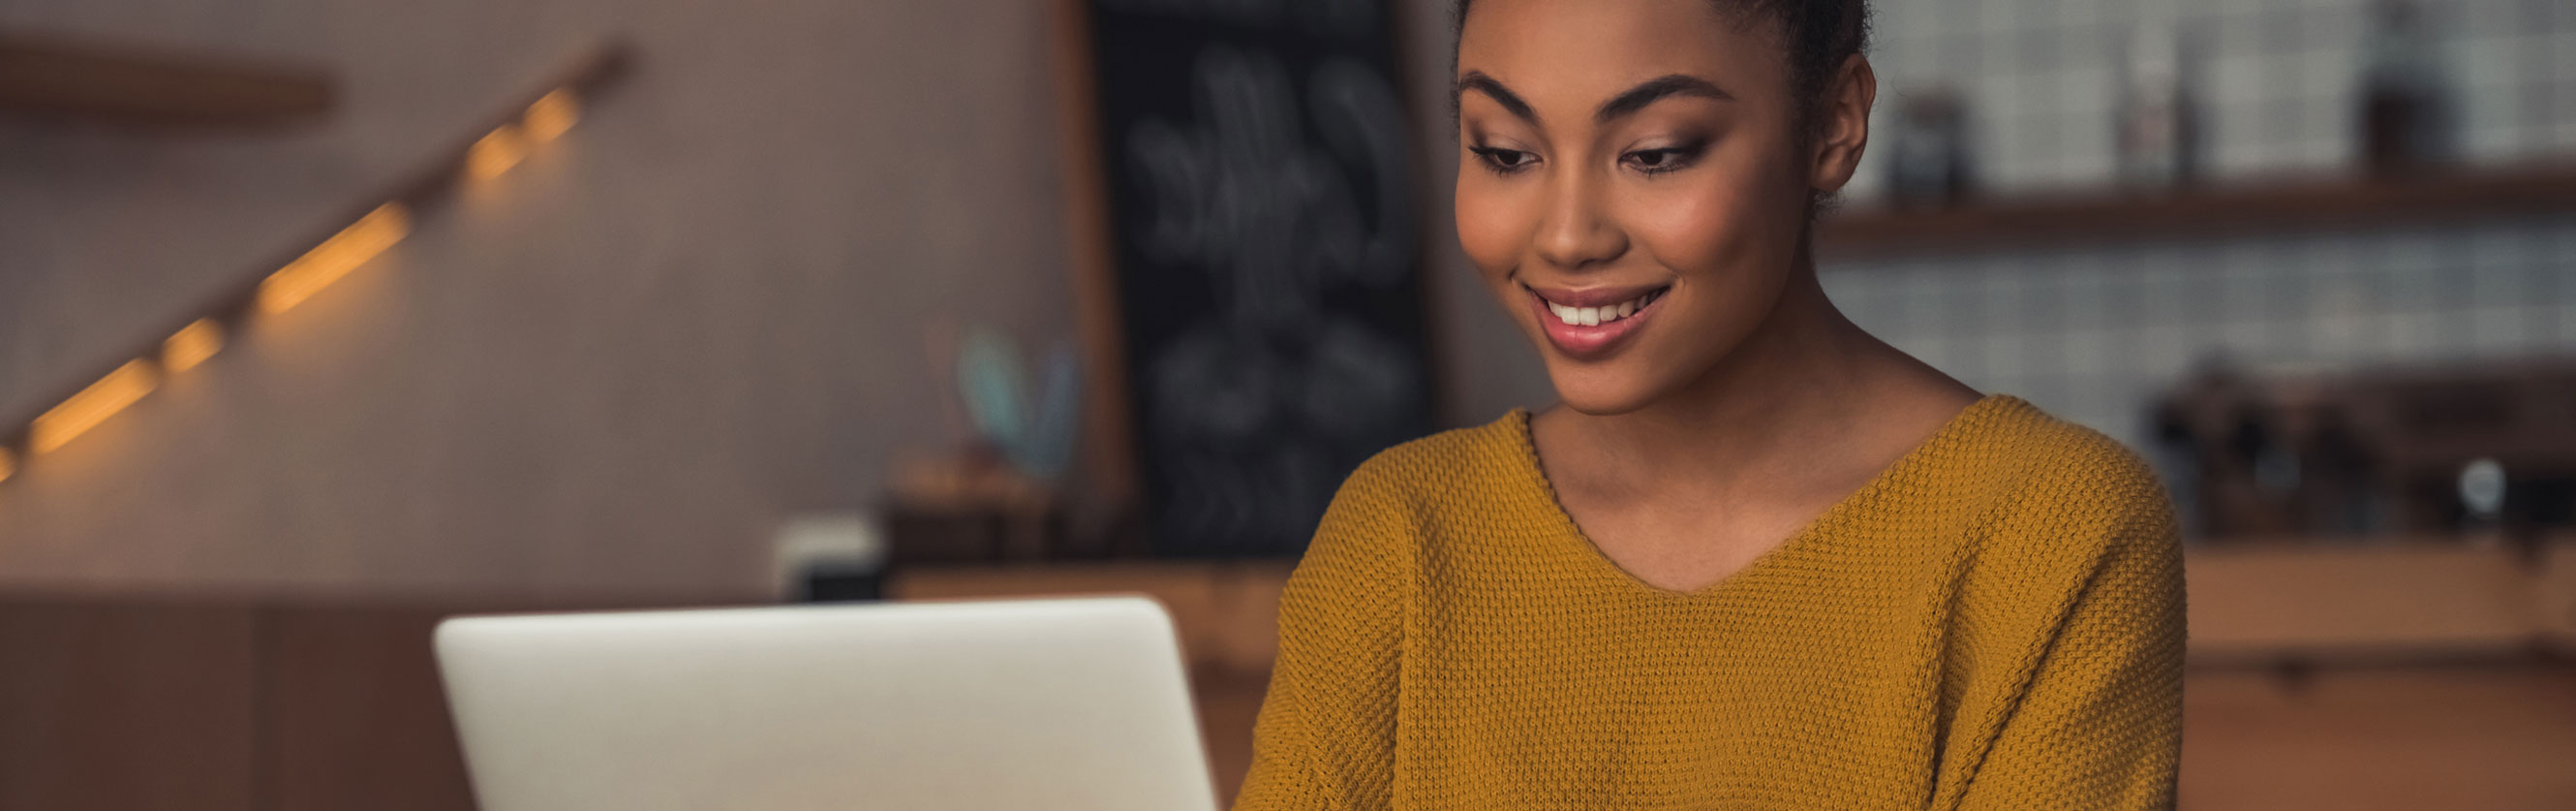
point(1654, 90)
point(1479, 82)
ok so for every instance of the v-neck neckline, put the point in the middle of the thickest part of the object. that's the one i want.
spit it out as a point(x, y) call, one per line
point(1797, 543)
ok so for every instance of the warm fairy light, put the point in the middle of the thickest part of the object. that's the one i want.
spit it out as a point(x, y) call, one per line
point(550, 116)
point(335, 257)
point(191, 345)
point(92, 405)
point(496, 153)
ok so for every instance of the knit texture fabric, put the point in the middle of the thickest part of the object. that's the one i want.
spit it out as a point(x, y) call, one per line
point(1994, 621)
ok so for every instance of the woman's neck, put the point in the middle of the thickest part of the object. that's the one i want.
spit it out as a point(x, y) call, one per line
point(1802, 386)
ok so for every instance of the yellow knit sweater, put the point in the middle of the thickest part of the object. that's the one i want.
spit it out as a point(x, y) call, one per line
point(1995, 621)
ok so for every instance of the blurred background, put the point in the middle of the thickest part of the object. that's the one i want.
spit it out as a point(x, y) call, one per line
point(323, 319)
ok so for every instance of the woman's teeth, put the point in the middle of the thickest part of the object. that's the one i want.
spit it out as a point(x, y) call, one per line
point(1597, 316)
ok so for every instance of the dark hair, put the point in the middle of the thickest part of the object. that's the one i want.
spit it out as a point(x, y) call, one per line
point(1820, 35)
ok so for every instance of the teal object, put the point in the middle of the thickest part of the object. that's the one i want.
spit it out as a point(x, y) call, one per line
point(1047, 448)
point(989, 376)
point(1035, 435)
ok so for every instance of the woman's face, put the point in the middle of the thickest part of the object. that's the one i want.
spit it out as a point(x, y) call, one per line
point(1631, 184)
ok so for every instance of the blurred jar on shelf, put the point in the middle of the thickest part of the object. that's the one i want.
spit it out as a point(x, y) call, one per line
point(2158, 125)
point(1928, 165)
point(2407, 117)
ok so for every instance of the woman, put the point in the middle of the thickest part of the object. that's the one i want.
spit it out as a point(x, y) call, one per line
point(1756, 558)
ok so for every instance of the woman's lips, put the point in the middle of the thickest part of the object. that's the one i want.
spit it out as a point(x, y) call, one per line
point(1587, 324)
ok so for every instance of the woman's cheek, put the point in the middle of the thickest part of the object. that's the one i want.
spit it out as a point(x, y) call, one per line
point(1686, 228)
point(1488, 229)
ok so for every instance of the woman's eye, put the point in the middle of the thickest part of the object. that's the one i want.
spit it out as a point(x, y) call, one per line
point(1659, 161)
point(1503, 160)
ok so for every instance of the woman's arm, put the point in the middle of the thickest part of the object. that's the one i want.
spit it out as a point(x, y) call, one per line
point(1325, 739)
point(2099, 725)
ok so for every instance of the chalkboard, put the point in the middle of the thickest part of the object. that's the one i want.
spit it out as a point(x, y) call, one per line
point(1264, 215)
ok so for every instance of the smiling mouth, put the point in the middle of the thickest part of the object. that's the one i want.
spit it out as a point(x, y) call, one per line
point(1593, 324)
point(1604, 314)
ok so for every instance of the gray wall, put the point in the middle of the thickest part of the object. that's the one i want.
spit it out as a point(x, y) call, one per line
point(613, 369)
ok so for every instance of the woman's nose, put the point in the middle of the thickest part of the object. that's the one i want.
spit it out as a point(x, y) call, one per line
point(1577, 232)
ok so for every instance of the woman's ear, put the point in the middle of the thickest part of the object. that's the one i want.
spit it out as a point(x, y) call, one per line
point(1842, 130)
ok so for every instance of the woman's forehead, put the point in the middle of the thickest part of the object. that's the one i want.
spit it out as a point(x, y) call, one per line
point(1556, 52)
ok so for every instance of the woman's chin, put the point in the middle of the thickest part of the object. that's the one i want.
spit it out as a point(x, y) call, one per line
point(1600, 392)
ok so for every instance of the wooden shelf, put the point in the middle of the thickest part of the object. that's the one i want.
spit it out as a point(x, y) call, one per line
point(131, 85)
point(2098, 218)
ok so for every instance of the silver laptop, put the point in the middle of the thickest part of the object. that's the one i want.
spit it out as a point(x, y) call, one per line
point(1066, 704)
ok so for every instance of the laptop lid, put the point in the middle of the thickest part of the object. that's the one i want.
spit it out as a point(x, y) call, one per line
point(1060, 704)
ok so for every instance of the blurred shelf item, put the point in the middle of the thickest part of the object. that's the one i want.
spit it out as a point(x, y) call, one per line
point(2485, 447)
point(1928, 164)
point(2097, 217)
point(970, 507)
point(129, 84)
point(2157, 123)
point(974, 532)
point(2408, 101)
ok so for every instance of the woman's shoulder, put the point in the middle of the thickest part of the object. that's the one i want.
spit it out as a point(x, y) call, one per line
point(2031, 469)
point(2034, 448)
point(1483, 470)
point(2053, 455)
point(1401, 496)
point(1452, 463)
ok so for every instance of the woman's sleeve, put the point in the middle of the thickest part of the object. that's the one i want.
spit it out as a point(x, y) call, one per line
point(1326, 734)
point(2100, 724)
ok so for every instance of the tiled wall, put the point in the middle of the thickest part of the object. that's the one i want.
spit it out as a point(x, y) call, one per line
point(2095, 333)
point(2277, 80)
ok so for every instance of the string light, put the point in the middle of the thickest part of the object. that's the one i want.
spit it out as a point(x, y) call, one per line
point(191, 345)
point(335, 257)
point(490, 156)
point(551, 116)
point(496, 153)
point(93, 405)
